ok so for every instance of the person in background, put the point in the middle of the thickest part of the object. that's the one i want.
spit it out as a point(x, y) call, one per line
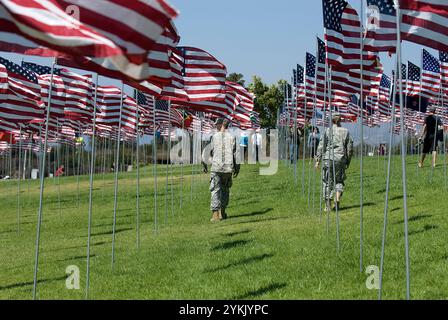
point(313, 141)
point(60, 171)
point(432, 134)
point(295, 152)
point(258, 141)
point(335, 150)
point(244, 144)
point(224, 167)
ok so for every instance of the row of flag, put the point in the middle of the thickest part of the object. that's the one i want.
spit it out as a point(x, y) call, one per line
point(132, 41)
point(349, 52)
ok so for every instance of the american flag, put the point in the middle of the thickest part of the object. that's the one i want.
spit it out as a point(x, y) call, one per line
point(76, 91)
point(310, 77)
point(430, 76)
point(242, 101)
point(443, 56)
point(381, 33)
point(204, 76)
point(134, 26)
point(367, 109)
point(175, 90)
point(103, 32)
point(300, 86)
point(414, 80)
point(6, 126)
point(343, 36)
point(157, 69)
point(384, 96)
point(22, 102)
point(109, 102)
point(321, 77)
point(404, 78)
point(353, 105)
point(255, 120)
point(58, 90)
point(425, 22)
point(166, 116)
point(350, 81)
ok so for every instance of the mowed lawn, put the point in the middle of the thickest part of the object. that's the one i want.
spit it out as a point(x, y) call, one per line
point(275, 245)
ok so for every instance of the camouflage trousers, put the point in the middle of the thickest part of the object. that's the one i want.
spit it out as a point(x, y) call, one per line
point(328, 178)
point(220, 184)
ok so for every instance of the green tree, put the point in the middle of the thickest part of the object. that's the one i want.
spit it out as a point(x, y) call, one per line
point(237, 78)
point(268, 99)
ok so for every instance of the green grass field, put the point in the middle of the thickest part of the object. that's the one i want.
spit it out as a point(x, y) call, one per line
point(273, 246)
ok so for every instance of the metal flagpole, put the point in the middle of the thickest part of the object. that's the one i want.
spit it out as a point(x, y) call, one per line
point(403, 156)
point(332, 160)
point(444, 138)
point(107, 143)
point(435, 141)
point(18, 180)
point(154, 154)
point(92, 171)
point(294, 104)
point(168, 160)
point(321, 195)
point(361, 160)
point(171, 163)
point(386, 200)
point(288, 137)
point(193, 148)
point(41, 192)
point(324, 132)
point(79, 167)
point(420, 105)
point(182, 161)
point(137, 118)
point(117, 168)
point(165, 163)
point(58, 155)
point(304, 136)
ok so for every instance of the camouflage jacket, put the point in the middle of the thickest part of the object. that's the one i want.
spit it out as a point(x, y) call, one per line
point(224, 153)
point(342, 145)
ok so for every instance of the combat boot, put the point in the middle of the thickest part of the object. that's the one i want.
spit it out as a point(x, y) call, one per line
point(223, 214)
point(215, 216)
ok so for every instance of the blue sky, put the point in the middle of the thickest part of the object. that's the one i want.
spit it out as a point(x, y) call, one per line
point(261, 37)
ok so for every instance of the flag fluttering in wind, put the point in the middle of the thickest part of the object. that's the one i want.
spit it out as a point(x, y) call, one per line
point(430, 76)
point(22, 101)
point(343, 36)
point(112, 34)
point(381, 26)
point(425, 22)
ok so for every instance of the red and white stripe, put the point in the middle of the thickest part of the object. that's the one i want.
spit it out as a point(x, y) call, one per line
point(425, 22)
point(204, 76)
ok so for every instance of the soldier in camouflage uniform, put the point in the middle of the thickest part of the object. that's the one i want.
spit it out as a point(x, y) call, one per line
point(224, 166)
point(335, 150)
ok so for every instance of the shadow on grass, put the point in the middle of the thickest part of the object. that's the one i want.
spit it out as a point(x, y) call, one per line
point(77, 247)
point(415, 218)
point(255, 213)
point(261, 291)
point(110, 232)
point(236, 233)
point(260, 220)
point(29, 283)
point(76, 258)
point(367, 204)
point(242, 262)
point(427, 227)
point(400, 197)
point(231, 245)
